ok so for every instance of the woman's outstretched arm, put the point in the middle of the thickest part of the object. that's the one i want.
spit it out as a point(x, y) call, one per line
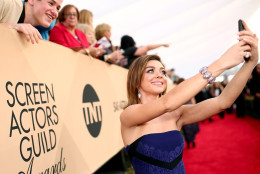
point(210, 107)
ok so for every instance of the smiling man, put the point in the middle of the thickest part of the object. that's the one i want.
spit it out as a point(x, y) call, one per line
point(34, 13)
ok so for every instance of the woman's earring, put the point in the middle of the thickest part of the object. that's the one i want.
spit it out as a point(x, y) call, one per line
point(139, 94)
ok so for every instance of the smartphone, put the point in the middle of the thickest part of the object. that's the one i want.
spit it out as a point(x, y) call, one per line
point(97, 45)
point(240, 25)
point(240, 28)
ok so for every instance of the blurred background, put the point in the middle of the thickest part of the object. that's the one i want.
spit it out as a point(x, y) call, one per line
point(198, 31)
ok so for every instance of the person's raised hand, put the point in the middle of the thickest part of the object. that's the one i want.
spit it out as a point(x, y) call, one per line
point(249, 38)
point(247, 47)
point(101, 51)
point(116, 56)
point(166, 45)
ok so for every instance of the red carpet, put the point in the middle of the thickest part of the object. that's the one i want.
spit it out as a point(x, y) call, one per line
point(225, 146)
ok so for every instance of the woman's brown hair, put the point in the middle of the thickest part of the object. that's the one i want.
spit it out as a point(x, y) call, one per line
point(135, 75)
point(61, 15)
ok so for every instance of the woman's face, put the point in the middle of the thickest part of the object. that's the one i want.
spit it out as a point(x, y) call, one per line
point(108, 34)
point(71, 18)
point(90, 36)
point(154, 78)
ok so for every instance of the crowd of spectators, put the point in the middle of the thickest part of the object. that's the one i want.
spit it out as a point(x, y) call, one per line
point(69, 27)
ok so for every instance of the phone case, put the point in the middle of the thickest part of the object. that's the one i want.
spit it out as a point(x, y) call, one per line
point(240, 28)
point(240, 25)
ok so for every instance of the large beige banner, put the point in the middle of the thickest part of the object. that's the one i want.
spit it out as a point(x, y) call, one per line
point(59, 109)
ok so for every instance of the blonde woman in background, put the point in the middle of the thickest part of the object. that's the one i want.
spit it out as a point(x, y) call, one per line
point(88, 31)
point(104, 30)
point(85, 24)
point(103, 35)
point(86, 17)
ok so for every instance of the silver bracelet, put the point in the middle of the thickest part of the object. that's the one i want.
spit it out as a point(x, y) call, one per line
point(207, 75)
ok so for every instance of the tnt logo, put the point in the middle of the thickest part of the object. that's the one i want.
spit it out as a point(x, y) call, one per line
point(92, 110)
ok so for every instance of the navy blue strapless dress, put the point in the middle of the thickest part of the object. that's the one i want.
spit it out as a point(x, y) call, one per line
point(158, 153)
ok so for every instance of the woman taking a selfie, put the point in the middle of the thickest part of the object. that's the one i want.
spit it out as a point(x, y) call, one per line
point(152, 119)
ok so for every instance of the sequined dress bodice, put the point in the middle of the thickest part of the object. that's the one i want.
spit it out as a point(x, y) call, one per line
point(163, 149)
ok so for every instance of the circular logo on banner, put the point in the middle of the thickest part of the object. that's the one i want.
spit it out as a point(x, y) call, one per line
point(92, 110)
